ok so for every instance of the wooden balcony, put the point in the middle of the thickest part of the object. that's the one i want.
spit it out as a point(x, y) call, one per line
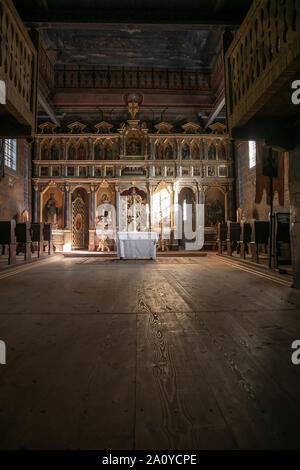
point(18, 73)
point(260, 64)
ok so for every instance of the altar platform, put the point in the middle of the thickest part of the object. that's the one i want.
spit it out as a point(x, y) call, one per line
point(113, 254)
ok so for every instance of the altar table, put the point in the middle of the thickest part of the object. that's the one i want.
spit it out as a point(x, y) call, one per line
point(137, 244)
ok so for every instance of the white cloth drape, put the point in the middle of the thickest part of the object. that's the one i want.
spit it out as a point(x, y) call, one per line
point(136, 244)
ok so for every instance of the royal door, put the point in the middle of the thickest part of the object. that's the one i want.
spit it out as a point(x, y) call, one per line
point(79, 224)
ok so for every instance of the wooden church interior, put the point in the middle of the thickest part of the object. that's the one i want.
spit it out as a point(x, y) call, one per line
point(164, 104)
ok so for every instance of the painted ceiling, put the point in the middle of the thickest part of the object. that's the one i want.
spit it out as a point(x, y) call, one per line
point(230, 12)
point(131, 47)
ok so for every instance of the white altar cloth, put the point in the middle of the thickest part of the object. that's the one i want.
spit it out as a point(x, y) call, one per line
point(136, 244)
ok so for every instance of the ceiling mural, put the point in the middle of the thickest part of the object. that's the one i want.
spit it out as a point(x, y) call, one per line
point(137, 48)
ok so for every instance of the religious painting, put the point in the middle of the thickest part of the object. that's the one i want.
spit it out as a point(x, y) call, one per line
point(107, 152)
point(55, 171)
point(98, 172)
point(168, 153)
point(170, 171)
point(109, 171)
point(44, 171)
point(45, 154)
point(196, 171)
point(211, 171)
point(133, 144)
point(70, 171)
point(212, 153)
point(195, 152)
point(222, 152)
point(158, 171)
point(185, 152)
point(105, 195)
point(134, 171)
point(222, 171)
point(54, 152)
point(159, 151)
point(214, 207)
point(185, 171)
point(203, 171)
point(81, 152)
point(72, 152)
point(98, 151)
point(52, 207)
point(82, 172)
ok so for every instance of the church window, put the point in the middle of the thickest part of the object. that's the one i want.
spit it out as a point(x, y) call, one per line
point(10, 153)
point(252, 153)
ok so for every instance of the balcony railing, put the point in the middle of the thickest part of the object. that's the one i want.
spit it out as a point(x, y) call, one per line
point(68, 76)
point(262, 57)
point(18, 71)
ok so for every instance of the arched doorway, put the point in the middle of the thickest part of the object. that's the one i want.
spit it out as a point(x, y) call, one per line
point(187, 201)
point(80, 219)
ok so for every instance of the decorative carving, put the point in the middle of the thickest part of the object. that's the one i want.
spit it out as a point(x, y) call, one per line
point(103, 127)
point(218, 128)
point(47, 127)
point(163, 128)
point(190, 128)
point(76, 127)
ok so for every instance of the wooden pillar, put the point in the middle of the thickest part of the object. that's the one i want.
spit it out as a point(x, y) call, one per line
point(67, 207)
point(226, 205)
point(36, 203)
point(92, 231)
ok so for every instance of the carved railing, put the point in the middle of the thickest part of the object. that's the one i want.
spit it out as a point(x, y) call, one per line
point(263, 55)
point(68, 76)
point(18, 68)
point(46, 68)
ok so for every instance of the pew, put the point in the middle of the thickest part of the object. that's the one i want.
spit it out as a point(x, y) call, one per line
point(47, 234)
point(233, 236)
point(282, 239)
point(245, 238)
point(23, 236)
point(222, 236)
point(8, 239)
point(259, 235)
point(37, 235)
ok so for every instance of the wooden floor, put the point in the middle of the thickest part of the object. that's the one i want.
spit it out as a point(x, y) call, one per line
point(105, 354)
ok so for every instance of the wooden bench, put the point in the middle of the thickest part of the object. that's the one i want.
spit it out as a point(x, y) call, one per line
point(282, 239)
point(222, 236)
point(23, 236)
point(47, 235)
point(8, 239)
point(233, 236)
point(245, 239)
point(259, 235)
point(37, 235)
